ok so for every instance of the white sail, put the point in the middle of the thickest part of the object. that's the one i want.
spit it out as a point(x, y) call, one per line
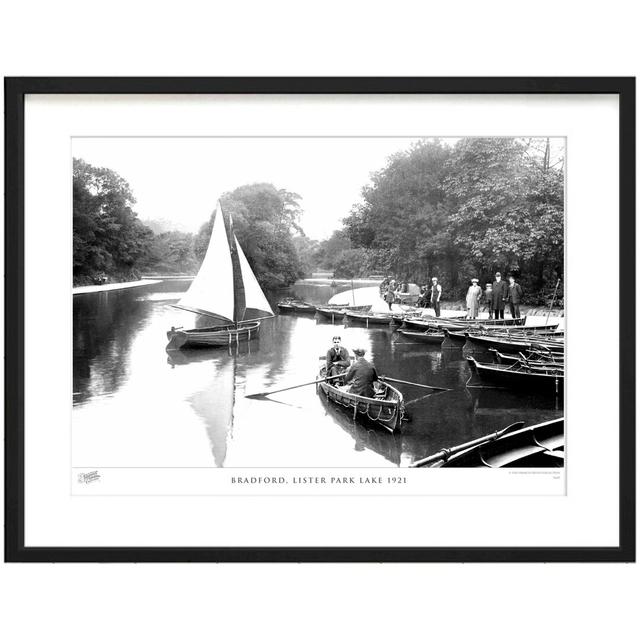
point(211, 292)
point(254, 297)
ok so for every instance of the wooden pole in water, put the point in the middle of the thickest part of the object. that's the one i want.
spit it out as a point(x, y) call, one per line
point(353, 295)
point(552, 300)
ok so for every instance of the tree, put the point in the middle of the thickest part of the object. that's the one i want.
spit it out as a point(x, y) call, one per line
point(107, 235)
point(402, 219)
point(465, 210)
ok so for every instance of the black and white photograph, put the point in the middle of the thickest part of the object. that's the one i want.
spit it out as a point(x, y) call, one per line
point(320, 302)
point(341, 314)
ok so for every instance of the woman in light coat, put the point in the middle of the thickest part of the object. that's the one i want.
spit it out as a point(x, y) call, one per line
point(473, 299)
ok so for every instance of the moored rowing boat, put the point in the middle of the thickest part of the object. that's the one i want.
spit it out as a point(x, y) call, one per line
point(333, 312)
point(515, 344)
point(296, 306)
point(519, 374)
point(369, 318)
point(431, 336)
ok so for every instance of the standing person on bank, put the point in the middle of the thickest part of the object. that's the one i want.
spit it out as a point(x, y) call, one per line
point(362, 374)
point(499, 296)
point(488, 296)
point(514, 296)
point(473, 299)
point(436, 294)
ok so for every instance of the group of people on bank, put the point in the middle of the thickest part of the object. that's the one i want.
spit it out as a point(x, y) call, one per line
point(496, 296)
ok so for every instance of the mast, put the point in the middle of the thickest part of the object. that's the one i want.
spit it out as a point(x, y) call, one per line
point(239, 299)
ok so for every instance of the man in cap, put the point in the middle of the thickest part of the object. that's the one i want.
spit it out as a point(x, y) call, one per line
point(499, 296)
point(473, 299)
point(362, 374)
point(514, 295)
point(337, 358)
point(436, 293)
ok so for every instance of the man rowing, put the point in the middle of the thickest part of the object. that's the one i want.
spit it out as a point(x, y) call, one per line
point(362, 374)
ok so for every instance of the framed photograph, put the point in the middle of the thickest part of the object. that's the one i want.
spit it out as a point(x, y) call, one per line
point(320, 319)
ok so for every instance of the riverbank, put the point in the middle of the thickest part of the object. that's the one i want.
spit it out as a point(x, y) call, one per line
point(371, 296)
point(112, 287)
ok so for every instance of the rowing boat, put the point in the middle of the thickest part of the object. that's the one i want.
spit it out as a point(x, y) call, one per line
point(296, 306)
point(332, 312)
point(455, 338)
point(369, 318)
point(385, 409)
point(427, 322)
point(538, 446)
point(514, 344)
point(431, 336)
point(531, 355)
point(518, 374)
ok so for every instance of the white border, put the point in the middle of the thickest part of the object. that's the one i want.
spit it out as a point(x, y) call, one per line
point(53, 518)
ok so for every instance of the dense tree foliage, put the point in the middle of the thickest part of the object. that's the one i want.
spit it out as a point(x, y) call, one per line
point(461, 211)
point(172, 252)
point(107, 235)
point(264, 220)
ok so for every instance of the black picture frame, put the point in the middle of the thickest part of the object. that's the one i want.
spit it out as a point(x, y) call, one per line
point(15, 91)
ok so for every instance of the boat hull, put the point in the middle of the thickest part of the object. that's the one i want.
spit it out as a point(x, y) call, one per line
point(363, 318)
point(386, 413)
point(454, 338)
point(426, 337)
point(548, 380)
point(212, 336)
point(339, 312)
point(456, 324)
point(540, 446)
point(513, 345)
point(296, 307)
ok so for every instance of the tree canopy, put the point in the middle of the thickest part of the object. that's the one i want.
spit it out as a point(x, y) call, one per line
point(464, 211)
point(107, 235)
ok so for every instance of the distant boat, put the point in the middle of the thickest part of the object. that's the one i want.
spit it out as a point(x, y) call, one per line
point(296, 306)
point(226, 290)
point(332, 312)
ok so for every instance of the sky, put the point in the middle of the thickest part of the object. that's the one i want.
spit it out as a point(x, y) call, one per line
point(180, 179)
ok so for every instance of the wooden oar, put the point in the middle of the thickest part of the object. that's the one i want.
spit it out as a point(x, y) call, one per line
point(445, 454)
point(413, 384)
point(295, 386)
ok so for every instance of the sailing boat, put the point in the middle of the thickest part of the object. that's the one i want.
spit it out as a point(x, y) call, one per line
point(226, 289)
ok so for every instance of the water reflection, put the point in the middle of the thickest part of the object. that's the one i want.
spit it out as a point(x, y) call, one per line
point(213, 404)
point(137, 405)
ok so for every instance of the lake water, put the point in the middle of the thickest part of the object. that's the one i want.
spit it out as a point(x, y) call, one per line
point(136, 405)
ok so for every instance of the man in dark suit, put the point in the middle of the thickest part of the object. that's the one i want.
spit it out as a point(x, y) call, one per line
point(499, 296)
point(337, 358)
point(514, 296)
point(362, 374)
